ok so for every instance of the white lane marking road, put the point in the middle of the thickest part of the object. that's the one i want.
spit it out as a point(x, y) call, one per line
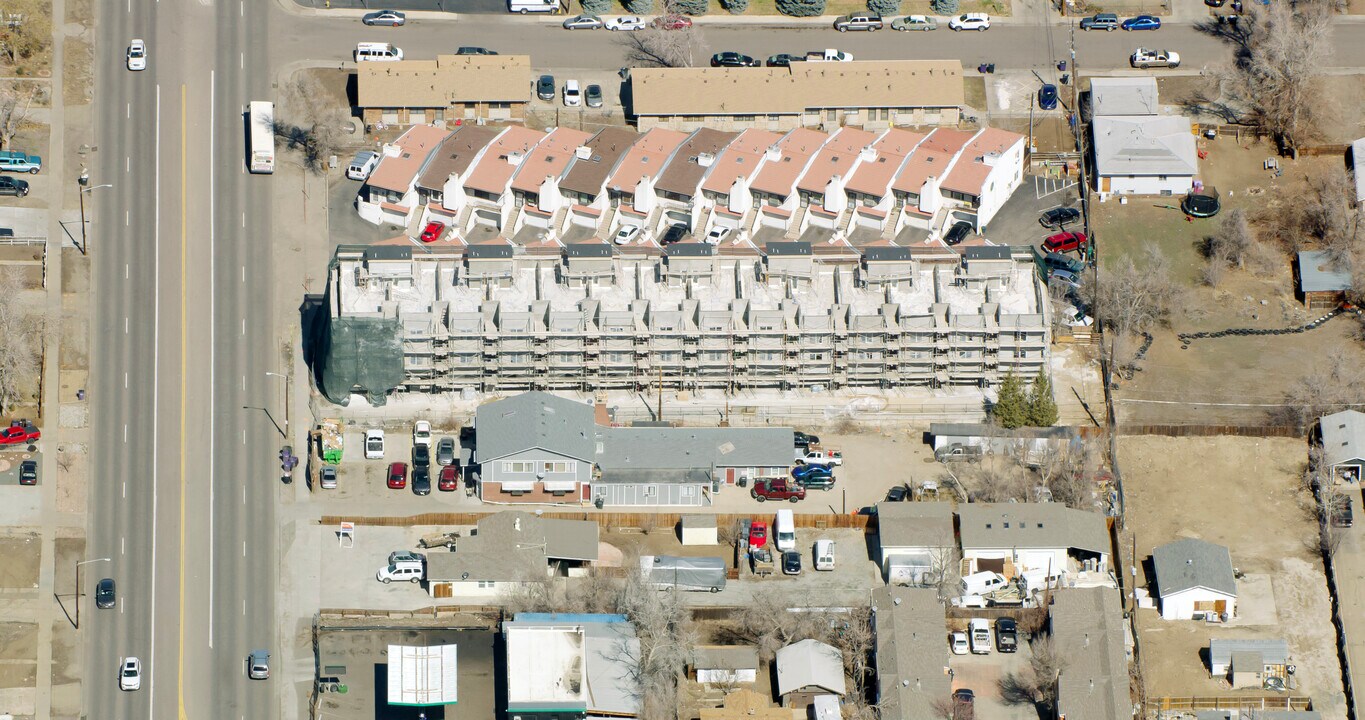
point(213, 335)
point(156, 390)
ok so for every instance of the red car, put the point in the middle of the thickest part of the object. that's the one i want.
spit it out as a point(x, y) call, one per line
point(673, 22)
point(779, 489)
point(758, 534)
point(1064, 242)
point(19, 431)
point(450, 478)
point(433, 231)
point(398, 476)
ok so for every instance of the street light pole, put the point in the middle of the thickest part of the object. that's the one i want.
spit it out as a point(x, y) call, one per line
point(84, 180)
point(288, 383)
point(78, 587)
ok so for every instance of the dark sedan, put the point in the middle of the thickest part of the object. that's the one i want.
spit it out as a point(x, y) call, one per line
point(732, 59)
point(791, 563)
point(545, 87)
point(391, 18)
point(104, 594)
point(421, 481)
point(957, 233)
point(1047, 96)
point(784, 60)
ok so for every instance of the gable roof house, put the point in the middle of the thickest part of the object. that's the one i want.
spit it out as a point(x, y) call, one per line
point(774, 188)
point(806, 669)
point(1194, 578)
point(873, 95)
point(725, 189)
point(822, 188)
point(451, 88)
point(1088, 629)
point(725, 664)
point(584, 182)
point(440, 186)
point(917, 185)
point(911, 657)
point(508, 549)
point(389, 194)
point(663, 466)
point(1144, 154)
point(1013, 538)
point(571, 666)
point(534, 447)
point(869, 185)
point(630, 187)
point(916, 541)
point(679, 186)
point(535, 186)
point(987, 172)
point(488, 204)
point(1343, 444)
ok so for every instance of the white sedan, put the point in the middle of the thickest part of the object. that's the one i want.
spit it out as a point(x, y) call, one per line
point(718, 235)
point(626, 22)
point(627, 234)
point(970, 21)
point(130, 674)
point(137, 55)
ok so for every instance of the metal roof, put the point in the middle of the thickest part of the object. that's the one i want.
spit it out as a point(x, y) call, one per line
point(1317, 273)
point(534, 420)
point(422, 675)
point(600, 651)
point(1145, 146)
point(690, 448)
point(1273, 651)
point(915, 524)
point(1087, 628)
point(1031, 525)
point(1343, 437)
point(1189, 563)
point(911, 654)
point(809, 663)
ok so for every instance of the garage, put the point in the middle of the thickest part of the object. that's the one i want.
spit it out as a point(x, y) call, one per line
point(488, 217)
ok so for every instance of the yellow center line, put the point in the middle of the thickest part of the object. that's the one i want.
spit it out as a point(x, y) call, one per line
point(184, 367)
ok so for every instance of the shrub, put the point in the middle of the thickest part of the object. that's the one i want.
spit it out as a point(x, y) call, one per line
point(885, 8)
point(690, 7)
point(735, 7)
point(639, 7)
point(944, 7)
point(801, 8)
point(596, 7)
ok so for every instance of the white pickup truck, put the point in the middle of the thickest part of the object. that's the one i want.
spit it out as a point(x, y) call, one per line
point(828, 55)
point(820, 457)
point(1144, 58)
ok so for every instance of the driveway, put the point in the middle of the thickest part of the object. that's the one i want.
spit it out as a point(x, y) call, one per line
point(1017, 221)
point(982, 675)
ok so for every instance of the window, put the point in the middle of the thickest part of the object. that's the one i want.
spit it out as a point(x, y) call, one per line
point(886, 113)
point(559, 467)
point(745, 118)
point(518, 467)
point(487, 584)
point(651, 491)
point(831, 114)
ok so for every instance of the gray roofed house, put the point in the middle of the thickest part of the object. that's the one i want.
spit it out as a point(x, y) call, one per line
point(534, 446)
point(1031, 525)
point(676, 466)
point(1194, 577)
point(692, 160)
point(1087, 629)
point(725, 663)
point(1123, 96)
point(507, 549)
point(587, 176)
point(1343, 443)
point(809, 668)
point(1322, 282)
point(911, 657)
point(1144, 154)
point(915, 540)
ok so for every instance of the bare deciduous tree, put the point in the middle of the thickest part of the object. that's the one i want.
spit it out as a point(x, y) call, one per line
point(945, 570)
point(660, 48)
point(20, 353)
point(1274, 81)
point(1334, 383)
point(25, 30)
point(1235, 243)
point(16, 102)
point(1037, 682)
point(313, 121)
point(1133, 297)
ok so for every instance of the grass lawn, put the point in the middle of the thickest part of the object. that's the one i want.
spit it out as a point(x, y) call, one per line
point(975, 89)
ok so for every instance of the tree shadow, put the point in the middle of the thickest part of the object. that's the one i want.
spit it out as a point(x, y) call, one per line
point(1016, 690)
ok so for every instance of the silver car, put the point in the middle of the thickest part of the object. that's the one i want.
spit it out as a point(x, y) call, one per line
point(583, 22)
point(258, 665)
point(390, 18)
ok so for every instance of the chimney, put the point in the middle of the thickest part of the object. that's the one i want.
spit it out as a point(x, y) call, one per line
point(773, 154)
point(582, 152)
point(705, 159)
point(515, 157)
point(868, 154)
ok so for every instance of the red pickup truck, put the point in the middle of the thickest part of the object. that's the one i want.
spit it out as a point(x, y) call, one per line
point(779, 489)
point(19, 431)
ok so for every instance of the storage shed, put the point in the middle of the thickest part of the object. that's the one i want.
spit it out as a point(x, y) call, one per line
point(698, 529)
point(1322, 282)
point(1248, 662)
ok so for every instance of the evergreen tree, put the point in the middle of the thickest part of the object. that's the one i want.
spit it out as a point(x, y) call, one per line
point(691, 7)
point(944, 7)
point(596, 7)
point(1042, 408)
point(735, 7)
point(801, 8)
point(1011, 407)
point(885, 8)
point(639, 7)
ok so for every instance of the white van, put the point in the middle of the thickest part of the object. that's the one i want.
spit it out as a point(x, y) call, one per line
point(1035, 580)
point(784, 530)
point(573, 95)
point(377, 52)
point(980, 633)
point(534, 6)
point(982, 583)
point(824, 554)
point(362, 165)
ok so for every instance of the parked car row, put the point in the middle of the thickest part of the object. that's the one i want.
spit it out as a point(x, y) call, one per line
point(977, 639)
point(1110, 22)
point(573, 94)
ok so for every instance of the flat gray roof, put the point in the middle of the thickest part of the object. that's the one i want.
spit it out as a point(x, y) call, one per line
point(1273, 651)
point(1190, 563)
point(1145, 145)
point(689, 448)
point(534, 420)
point(725, 657)
point(915, 524)
point(510, 544)
point(1031, 525)
point(1123, 96)
point(911, 652)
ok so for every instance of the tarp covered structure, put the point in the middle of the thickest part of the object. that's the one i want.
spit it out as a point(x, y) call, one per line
point(360, 355)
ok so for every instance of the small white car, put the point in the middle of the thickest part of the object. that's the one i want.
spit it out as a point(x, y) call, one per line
point(625, 22)
point(137, 55)
point(258, 665)
point(718, 235)
point(130, 674)
point(958, 642)
point(627, 234)
point(374, 444)
point(573, 94)
point(970, 21)
point(421, 433)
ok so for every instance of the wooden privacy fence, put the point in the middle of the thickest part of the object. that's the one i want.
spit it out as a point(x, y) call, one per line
point(637, 521)
point(1242, 704)
point(1213, 430)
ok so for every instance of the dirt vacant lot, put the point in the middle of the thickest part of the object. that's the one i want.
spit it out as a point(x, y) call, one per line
point(1243, 493)
point(19, 561)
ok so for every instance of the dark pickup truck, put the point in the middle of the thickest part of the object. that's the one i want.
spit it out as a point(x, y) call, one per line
point(777, 490)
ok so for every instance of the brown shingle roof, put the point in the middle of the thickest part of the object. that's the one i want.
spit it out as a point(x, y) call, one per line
point(645, 158)
point(741, 158)
point(873, 178)
point(496, 166)
point(837, 157)
point(550, 157)
point(396, 172)
point(779, 175)
point(454, 155)
point(447, 79)
point(685, 171)
point(970, 173)
point(791, 90)
point(607, 146)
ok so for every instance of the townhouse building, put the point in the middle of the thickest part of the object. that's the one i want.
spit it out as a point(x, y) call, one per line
point(584, 182)
point(440, 183)
point(776, 201)
point(389, 194)
point(535, 187)
point(869, 187)
point(726, 198)
point(630, 187)
point(487, 198)
point(679, 187)
point(822, 189)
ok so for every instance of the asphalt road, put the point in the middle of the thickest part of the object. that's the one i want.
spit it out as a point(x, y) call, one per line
point(1010, 46)
point(184, 491)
